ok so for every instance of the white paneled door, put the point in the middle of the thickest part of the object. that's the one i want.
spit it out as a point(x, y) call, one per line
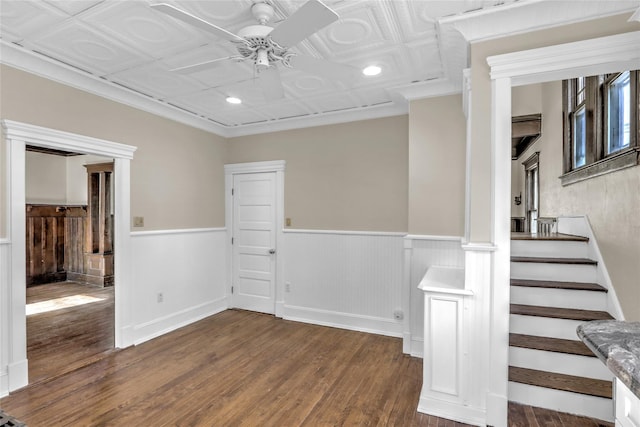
point(254, 241)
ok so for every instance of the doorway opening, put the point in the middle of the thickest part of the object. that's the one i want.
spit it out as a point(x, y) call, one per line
point(13, 340)
point(69, 260)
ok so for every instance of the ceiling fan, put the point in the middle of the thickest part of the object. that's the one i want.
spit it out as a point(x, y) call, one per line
point(267, 46)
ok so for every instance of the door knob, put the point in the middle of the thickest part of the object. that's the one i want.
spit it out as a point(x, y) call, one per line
point(272, 251)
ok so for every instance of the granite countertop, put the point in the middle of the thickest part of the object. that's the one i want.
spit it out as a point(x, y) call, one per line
point(617, 344)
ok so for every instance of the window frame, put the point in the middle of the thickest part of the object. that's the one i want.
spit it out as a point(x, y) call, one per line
point(598, 161)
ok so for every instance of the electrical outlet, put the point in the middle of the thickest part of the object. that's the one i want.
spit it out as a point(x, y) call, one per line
point(138, 221)
point(287, 286)
point(160, 297)
point(287, 222)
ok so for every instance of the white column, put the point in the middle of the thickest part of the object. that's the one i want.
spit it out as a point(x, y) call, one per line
point(17, 369)
point(497, 399)
point(123, 286)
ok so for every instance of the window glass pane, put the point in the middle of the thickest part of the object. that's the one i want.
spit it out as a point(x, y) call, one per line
point(579, 138)
point(619, 112)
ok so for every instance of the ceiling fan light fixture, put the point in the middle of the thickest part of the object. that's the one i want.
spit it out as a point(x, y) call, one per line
point(371, 70)
point(262, 59)
point(234, 100)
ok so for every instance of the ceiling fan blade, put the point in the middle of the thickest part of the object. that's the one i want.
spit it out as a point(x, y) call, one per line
point(271, 84)
point(195, 21)
point(308, 19)
point(327, 69)
point(202, 66)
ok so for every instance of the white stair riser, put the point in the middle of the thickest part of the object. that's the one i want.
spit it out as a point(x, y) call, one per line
point(559, 272)
point(544, 326)
point(549, 248)
point(561, 363)
point(562, 401)
point(565, 298)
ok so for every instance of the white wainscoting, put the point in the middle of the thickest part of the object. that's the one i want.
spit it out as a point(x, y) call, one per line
point(349, 280)
point(5, 274)
point(188, 267)
point(422, 252)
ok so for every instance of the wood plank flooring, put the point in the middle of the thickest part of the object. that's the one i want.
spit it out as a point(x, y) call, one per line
point(241, 368)
point(63, 339)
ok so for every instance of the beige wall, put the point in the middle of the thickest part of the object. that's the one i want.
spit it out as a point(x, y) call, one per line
point(45, 178)
point(51, 179)
point(350, 176)
point(177, 176)
point(611, 202)
point(437, 140)
point(481, 101)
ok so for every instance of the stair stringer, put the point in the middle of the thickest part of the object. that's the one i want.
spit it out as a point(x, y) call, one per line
point(580, 226)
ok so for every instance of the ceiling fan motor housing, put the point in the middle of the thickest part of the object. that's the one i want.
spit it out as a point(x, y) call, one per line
point(257, 45)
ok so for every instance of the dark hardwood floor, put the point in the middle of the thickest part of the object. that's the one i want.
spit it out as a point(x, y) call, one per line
point(62, 339)
point(243, 368)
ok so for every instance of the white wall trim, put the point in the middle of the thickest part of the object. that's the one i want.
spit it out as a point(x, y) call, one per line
point(479, 247)
point(51, 138)
point(255, 167)
point(349, 321)
point(157, 327)
point(568, 60)
point(343, 232)
point(177, 231)
point(452, 411)
point(432, 237)
point(277, 166)
point(587, 57)
point(17, 136)
point(5, 242)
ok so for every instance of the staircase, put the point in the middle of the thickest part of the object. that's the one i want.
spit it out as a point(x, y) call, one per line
point(553, 290)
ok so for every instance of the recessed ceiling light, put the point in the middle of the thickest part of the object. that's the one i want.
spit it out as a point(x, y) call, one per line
point(234, 100)
point(371, 70)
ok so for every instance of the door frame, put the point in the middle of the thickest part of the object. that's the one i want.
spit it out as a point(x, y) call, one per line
point(557, 62)
point(531, 195)
point(13, 293)
point(277, 166)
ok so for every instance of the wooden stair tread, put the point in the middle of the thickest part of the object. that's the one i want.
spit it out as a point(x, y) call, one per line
point(580, 261)
point(556, 345)
point(550, 236)
point(589, 386)
point(559, 313)
point(550, 284)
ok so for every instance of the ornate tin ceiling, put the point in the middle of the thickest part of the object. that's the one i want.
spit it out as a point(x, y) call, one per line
point(125, 50)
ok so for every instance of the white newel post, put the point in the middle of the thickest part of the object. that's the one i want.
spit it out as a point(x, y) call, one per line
point(449, 385)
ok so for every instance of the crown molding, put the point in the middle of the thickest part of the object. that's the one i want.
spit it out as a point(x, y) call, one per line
point(23, 59)
point(526, 16)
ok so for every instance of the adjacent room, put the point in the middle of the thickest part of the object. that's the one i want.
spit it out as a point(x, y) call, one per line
point(269, 212)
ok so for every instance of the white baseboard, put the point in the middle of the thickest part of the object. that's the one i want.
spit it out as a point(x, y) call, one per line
point(452, 411)
point(417, 347)
point(18, 374)
point(4, 385)
point(353, 322)
point(497, 410)
point(147, 331)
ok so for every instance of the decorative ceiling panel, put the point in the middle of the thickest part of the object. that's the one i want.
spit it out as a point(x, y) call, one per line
point(134, 47)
